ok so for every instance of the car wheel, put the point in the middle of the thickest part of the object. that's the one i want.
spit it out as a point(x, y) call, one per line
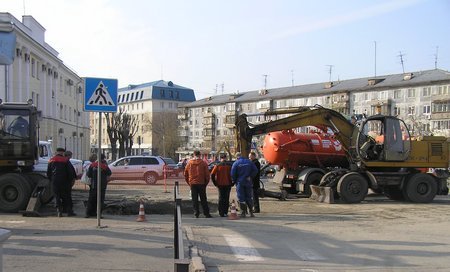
point(313, 179)
point(150, 178)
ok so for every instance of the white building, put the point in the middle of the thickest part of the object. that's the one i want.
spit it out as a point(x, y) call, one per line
point(153, 103)
point(38, 74)
point(420, 98)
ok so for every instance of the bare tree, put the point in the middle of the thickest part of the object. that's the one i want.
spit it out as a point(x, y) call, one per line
point(113, 123)
point(126, 132)
point(164, 127)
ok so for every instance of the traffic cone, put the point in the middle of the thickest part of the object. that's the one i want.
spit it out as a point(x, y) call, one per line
point(141, 217)
point(233, 214)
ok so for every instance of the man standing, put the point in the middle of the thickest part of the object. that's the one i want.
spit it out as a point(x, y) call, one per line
point(242, 173)
point(73, 177)
point(221, 177)
point(256, 182)
point(105, 172)
point(59, 171)
point(196, 175)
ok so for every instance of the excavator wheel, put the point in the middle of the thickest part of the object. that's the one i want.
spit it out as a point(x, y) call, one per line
point(352, 188)
point(15, 191)
point(420, 188)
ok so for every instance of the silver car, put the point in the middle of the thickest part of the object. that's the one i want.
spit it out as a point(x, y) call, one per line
point(147, 168)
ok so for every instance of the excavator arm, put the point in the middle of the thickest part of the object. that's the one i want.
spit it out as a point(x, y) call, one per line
point(305, 116)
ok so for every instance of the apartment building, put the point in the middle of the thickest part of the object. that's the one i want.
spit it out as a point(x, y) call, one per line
point(39, 74)
point(154, 105)
point(420, 98)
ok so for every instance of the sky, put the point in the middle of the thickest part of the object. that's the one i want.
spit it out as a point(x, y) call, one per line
point(242, 45)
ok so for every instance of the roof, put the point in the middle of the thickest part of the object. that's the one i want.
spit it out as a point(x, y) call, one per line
point(158, 83)
point(162, 90)
point(359, 84)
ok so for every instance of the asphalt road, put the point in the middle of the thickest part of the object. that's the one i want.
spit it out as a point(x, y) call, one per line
point(293, 235)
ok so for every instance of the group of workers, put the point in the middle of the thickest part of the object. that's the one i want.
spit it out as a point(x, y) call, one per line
point(244, 173)
point(62, 176)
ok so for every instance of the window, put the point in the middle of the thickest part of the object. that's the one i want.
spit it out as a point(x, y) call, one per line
point(383, 95)
point(443, 106)
point(396, 111)
point(142, 94)
point(37, 70)
point(162, 94)
point(162, 105)
point(151, 161)
point(411, 110)
point(442, 90)
point(427, 109)
point(411, 93)
point(397, 94)
point(128, 97)
point(33, 68)
point(132, 97)
point(366, 96)
point(426, 91)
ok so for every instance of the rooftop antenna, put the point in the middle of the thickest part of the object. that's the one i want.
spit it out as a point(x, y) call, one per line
point(292, 77)
point(375, 42)
point(265, 81)
point(436, 57)
point(215, 90)
point(401, 61)
point(330, 70)
point(223, 87)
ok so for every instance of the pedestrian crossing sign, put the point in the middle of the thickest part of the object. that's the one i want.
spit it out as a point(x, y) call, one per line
point(100, 94)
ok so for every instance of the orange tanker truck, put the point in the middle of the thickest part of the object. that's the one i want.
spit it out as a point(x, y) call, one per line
point(303, 158)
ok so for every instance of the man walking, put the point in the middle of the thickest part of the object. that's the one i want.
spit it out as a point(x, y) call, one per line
point(256, 182)
point(59, 171)
point(242, 173)
point(221, 177)
point(196, 175)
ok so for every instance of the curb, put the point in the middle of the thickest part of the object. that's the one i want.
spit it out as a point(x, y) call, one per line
point(196, 264)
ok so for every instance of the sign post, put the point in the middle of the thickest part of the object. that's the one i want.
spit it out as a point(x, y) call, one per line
point(100, 95)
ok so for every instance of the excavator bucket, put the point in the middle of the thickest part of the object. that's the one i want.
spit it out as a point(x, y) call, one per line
point(315, 192)
point(35, 202)
point(322, 194)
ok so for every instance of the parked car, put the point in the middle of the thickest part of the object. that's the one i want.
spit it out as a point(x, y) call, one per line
point(172, 168)
point(147, 168)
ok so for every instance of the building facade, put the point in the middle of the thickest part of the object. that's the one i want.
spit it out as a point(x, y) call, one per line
point(421, 98)
point(37, 73)
point(154, 105)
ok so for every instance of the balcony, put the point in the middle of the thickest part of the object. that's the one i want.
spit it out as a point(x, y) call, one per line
point(183, 114)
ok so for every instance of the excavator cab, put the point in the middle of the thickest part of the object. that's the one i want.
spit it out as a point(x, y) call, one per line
point(383, 138)
point(18, 136)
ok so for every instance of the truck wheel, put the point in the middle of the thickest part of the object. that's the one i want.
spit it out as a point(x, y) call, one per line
point(313, 179)
point(150, 178)
point(15, 192)
point(421, 188)
point(393, 193)
point(352, 188)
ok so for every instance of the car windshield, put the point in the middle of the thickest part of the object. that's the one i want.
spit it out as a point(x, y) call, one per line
point(169, 161)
